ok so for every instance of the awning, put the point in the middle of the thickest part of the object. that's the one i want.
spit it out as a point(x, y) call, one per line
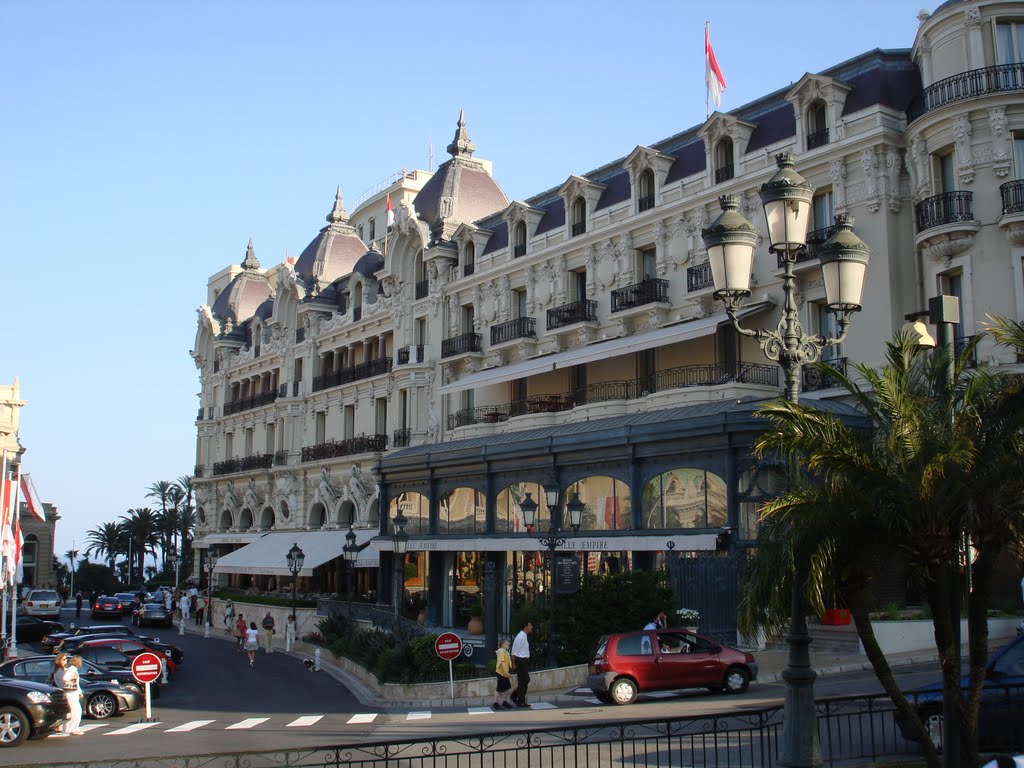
point(590, 541)
point(225, 538)
point(600, 350)
point(266, 555)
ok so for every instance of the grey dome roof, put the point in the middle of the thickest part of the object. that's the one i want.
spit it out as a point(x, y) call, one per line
point(245, 293)
point(369, 264)
point(266, 309)
point(333, 252)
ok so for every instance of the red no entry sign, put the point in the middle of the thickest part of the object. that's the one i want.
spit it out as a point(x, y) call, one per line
point(147, 667)
point(448, 646)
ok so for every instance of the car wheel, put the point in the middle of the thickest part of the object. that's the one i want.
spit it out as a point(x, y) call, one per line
point(623, 691)
point(736, 680)
point(933, 723)
point(14, 726)
point(101, 705)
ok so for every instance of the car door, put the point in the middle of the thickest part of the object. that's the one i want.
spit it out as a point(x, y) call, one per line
point(634, 656)
point(36, 670)
point(107, 657)
point(1002, 702)
point(695, 664)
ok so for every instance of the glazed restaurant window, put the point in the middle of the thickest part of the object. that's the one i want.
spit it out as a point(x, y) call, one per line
point(462, 512)
point(508, 517)
point(606, 504)
point(685, 498)
point(415, 507)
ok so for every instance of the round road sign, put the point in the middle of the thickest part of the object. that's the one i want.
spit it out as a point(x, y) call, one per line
point(448, 646)
point(147, 667)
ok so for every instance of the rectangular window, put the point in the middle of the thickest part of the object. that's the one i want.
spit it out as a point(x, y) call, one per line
point(519, 304)
point(1018, 154)
point(647, 265)
point(467, 319)
point(248, 442)
point(271, 438)
point(580, 284)
point(823, 210)
point(947, 173)
point(229, 445)
point(350, 421)
point(1009, 42)
point(403, 405)
point(380, 419)
point(321, 427)
point(421, 331)
point(828, 328)
point(466, 400)
point(280, 435)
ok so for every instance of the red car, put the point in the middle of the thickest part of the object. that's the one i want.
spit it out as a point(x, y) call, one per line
point(126, 645)
point(665, 660)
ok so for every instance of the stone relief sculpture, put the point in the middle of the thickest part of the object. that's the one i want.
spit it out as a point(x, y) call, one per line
point(962, 138)
point(1000, 154)
point(504, 297)
point(286, 485)
point(837, 172)
point(251, 498)
point(230, 500)
point(359, 491)
point(325, 491)
point(204, 495)
point(869, 164)
point(893, 168)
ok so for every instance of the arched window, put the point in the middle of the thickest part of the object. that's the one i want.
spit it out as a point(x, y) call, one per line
point(225, 520)
point(685, 498)
point(579, 216)
point(645, 190)
point(509, 518)
point(817, 127)
point(357, 301)
point(422, 282)
point(416, 509)
point(725, 167)
point(266, 519)
point(469, 261)
point(519, 240)
point(462, 511)
point(606, 504)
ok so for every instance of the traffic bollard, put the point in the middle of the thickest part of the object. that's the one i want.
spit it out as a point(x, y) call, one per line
point(316, 660)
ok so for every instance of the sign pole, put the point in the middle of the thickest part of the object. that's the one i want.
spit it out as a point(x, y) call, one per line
point(451, 679)
point(149, 706)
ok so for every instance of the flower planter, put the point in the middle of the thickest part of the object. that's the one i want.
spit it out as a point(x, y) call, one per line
point(836, 617)
point(475, 626)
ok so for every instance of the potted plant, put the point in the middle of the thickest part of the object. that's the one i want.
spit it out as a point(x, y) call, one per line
point(689, 618)
point(836, 617)
point(475, 626)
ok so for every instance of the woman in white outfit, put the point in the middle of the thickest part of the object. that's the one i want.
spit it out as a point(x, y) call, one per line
point(289, 633)
point(73, 691)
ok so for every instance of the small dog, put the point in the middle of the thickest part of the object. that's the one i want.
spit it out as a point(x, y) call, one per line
point(309, 664)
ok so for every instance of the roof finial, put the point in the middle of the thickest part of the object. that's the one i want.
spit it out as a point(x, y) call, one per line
point(250, 261)
point(338, 214)
point(461, 145)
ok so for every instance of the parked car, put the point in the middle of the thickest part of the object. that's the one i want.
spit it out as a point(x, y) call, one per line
point(110, 664)
point(153, 613)
point(29, 709)
point(630, 663)
point(105, 695)
point(29, 629)
point(106, 607)
point(128, 646)
point(1002, 703)
point(173, 652)
point(42, 603)
point(127, 601)
point(51, 642)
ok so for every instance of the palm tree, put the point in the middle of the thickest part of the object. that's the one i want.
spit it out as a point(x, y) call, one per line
point(160, 490)
point(105, 541)
point(186, 518)
point(929, 462)
point(140, 526)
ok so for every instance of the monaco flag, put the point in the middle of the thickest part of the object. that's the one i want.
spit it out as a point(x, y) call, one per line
point(712, 74)
point(28, 491)
point(391, 212)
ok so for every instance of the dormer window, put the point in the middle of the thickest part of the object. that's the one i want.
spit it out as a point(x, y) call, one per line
point(817, 125)
point(519, 240)
point(725, 163)
point(579, 216)
point(645, 191)
point(469, 260)
point(357, 301)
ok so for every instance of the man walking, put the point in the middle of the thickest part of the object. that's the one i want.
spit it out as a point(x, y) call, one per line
point(268, 633)
point(521, 664)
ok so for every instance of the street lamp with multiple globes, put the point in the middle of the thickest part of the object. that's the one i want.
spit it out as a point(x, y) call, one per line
point(211, 563)
point(400, 541)
point(730, 242)
point(295, 558)
point(351, 553)
point(552, 541)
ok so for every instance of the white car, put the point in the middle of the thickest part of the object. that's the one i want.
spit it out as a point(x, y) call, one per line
point(43, 603)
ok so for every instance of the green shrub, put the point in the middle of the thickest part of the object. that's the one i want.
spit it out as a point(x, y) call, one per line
point(892, 612)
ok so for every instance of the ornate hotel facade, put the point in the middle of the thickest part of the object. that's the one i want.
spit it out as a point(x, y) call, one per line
point(481, 348)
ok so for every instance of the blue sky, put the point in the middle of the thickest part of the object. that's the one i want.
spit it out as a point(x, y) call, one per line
point(144, 143)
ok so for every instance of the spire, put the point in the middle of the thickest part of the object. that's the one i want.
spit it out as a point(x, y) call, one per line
point(250, 261)
point(461, 146)
point(338, 214)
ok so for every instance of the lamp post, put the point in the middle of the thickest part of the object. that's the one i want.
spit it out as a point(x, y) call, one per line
point(400, 542)
point(351, 552)
point(552, 541)
point(730, 241)
point(177, 566)
point(211, 563)
point(295, 559)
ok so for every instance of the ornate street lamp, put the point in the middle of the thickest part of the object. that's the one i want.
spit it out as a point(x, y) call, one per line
point(400, 542)
point(211, 563)
point(295, 558)
point(730, 242)
point(351, 552)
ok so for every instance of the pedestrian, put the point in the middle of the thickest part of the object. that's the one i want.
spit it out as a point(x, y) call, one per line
point(658, 622)
point(184, 605)
point(521, 664)
point(73, 690)
point(229, 616)
point(168, 600)
point(503, 673)
point(200, 610)
point(251, 643)
point(268, 633)
point(289, 633)
point(240, 631)
point(78, 605)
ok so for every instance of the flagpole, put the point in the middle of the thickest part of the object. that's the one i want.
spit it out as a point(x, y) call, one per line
point(707, 87)
point(3, 565)
point(12, 650)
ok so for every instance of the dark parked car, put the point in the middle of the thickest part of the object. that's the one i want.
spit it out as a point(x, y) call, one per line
point(127, 601)
point(29, 709)
point(153, 613)
point(173, 652)
point(1002, 703)
point(126, 645)
point(105, 694)
point(106, 608)
point(31, 630)
point(665, 660)
point(111, 664)
point(50, 642)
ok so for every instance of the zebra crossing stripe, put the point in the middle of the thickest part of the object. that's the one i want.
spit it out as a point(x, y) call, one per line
point(357, 719)
point(544, 705)
point(130, 729)
point(480, 711)
point(189, 726)
point(90, 726)
point(304, 721)
point(418, 716)
point(250, 722)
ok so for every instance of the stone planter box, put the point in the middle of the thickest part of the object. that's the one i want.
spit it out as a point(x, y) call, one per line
point(919, 635)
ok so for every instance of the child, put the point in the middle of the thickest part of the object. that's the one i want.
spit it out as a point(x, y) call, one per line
point(503, 673)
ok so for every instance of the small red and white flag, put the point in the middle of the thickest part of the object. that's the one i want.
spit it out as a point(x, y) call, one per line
point(15, 568)
point(712, 74)
point(391, 212)
point(31, 496)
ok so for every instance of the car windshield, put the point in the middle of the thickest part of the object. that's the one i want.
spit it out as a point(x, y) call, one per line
point(154, 607)
point(42, 594)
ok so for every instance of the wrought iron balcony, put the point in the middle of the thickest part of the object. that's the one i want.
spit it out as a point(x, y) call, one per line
point(401, 438)
point(197, 471)
point(584, 311)
point(422, 289)
point(715, 373)
point(519, 328)
point(698, 277)
point(724, 173)
point(607, 390)
point(579, 228)
point(967, 85)
point(813, 379)
point(817, 139)
point(280, 458)
point(946, 208)
point(645, 203)
point(553, 403)
point(468, 269)
point(249, 463)
point(248, 403)
point(409, 354)
point(648, 291)
point(460, 345)
point(1012, 193)
point(332, 449)
point(815, 239)
point(519, 250)
point(486, 414)
point(356, 373)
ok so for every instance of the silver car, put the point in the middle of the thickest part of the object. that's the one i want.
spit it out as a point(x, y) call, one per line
point(44, 603)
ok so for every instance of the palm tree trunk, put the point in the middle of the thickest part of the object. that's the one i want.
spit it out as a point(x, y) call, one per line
point(941, 585)
point(977, 641)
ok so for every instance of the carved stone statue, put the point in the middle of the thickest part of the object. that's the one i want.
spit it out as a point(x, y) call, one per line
point(360, 489)
point(252, 498)
point(230, 500)
point(326, 490)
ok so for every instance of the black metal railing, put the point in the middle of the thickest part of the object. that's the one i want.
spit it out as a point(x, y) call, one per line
point(814, 379)
point(519, 328)
point(699, 277)
point(485, 414)
point(280, 458)
point(607, 390)
point(422, 289)
point(410, 354)
point(579, 228)
point(817, 139)
point(553, 403)
point(724, 173)
point(584, 311)
point(1012, 194)
point(468, 269)
point(197, 470)
point(945, 208)
point(334, 448)
point(645, 203)
point(648, 291)
point(815, 239)
point(519, 250)
point(228, 466)
point(359, 372)
point(300, 335)
point(248, 403)
point(401, 437)
point(716, 373)
point(967, 85)
point(460, 345)
point(961, 344)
